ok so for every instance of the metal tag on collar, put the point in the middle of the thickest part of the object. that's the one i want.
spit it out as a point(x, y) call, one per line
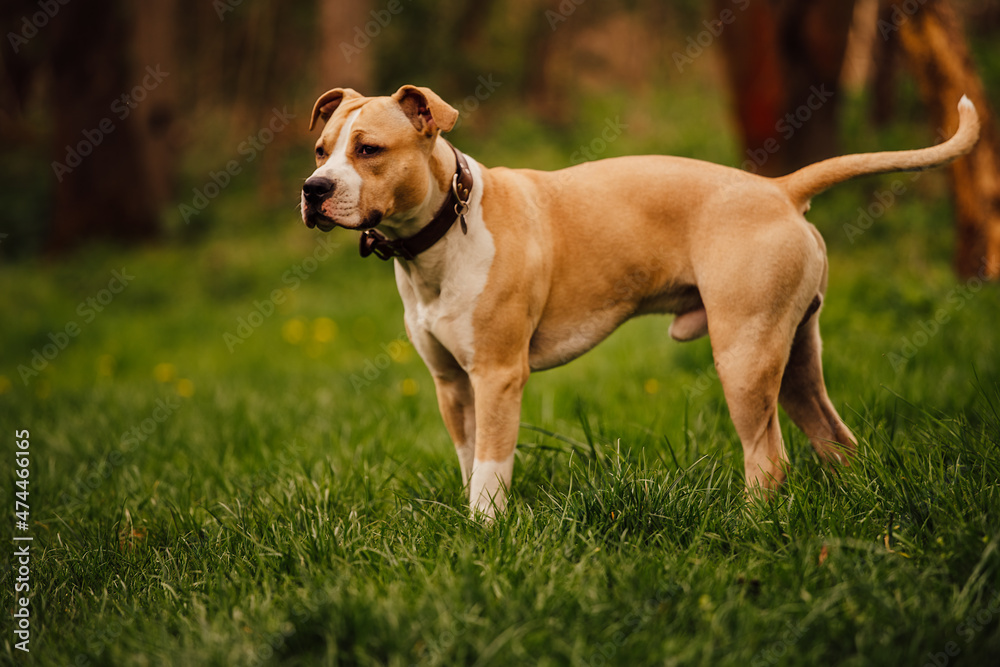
point(462, 205)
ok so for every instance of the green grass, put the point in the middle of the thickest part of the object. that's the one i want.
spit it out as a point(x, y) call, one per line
point(287, 508)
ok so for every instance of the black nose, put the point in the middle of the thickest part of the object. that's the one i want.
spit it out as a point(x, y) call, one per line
point(317, 188)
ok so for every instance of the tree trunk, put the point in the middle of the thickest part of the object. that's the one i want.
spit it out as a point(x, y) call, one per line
point(19, 64)
point(155, 37)
point(104, 189)
point(347, 51)
point(783, 59)
point(933, 43)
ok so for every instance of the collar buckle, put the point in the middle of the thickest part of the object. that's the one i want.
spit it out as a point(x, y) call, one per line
point(375, 243)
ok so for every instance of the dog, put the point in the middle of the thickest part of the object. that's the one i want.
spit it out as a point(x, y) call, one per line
point(507, 271)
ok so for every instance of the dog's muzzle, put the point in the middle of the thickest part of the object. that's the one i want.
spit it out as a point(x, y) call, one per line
point(315, 191)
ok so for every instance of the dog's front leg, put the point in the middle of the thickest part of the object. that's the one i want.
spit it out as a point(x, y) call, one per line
point(497, 392)
point(454, 394)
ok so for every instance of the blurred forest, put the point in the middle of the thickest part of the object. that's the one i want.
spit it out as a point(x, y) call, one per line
point(125, 120)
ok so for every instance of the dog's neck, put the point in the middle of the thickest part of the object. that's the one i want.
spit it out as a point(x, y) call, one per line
point(442, 166)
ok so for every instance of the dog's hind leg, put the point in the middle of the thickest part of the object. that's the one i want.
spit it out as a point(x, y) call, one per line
point(755, 301)
point(750, 368)
point(803, 396)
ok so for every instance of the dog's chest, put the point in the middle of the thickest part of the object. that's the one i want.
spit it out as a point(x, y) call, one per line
point(440, 299)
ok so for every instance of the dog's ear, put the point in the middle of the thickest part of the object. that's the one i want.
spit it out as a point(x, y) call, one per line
point(328, 103)
point(428, 112)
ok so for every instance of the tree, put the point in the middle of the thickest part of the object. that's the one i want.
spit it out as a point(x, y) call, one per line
point(933, 44)
point(106, 186)
point(783, 59)
point(346, 51)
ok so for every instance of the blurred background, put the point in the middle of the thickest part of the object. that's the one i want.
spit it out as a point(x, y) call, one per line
point(179, 344)
point(170, 137)
point(159, 121)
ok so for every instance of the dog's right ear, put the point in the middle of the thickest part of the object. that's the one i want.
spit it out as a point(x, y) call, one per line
point(328, 103)
point(426, 110)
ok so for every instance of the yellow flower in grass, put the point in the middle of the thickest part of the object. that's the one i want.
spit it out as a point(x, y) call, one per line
point(409, 387)
point(293, 331)
point(324, 330)
point(651, 386)
point(404, 353)
point(164, 372)
point(105, 366)
point(5, 384)
point(185, 388)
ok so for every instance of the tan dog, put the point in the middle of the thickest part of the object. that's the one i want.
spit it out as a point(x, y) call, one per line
point(533, 275)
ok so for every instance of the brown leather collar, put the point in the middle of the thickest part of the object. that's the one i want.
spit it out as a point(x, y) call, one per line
point(373, 242)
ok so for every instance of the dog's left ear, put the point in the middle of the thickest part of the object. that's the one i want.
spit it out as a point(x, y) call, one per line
point(428, 112)
point(328, 103)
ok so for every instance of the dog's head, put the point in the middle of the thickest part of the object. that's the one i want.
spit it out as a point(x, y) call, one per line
point(373, 159)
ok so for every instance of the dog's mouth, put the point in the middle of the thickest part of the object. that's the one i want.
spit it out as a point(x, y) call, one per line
point(324, 223)
point(320, 222)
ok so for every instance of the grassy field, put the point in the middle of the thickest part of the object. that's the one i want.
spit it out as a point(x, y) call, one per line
point(226, 474)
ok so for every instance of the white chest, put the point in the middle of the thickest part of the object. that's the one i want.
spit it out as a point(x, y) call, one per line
point(441, 289)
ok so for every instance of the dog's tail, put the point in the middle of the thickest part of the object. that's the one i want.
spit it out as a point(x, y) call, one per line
point(809, 181)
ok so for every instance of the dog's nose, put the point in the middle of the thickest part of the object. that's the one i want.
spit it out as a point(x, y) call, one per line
point(317, 188)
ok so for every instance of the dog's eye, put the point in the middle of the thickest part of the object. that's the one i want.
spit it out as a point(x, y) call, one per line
point(368, 150)
point(320, 152)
